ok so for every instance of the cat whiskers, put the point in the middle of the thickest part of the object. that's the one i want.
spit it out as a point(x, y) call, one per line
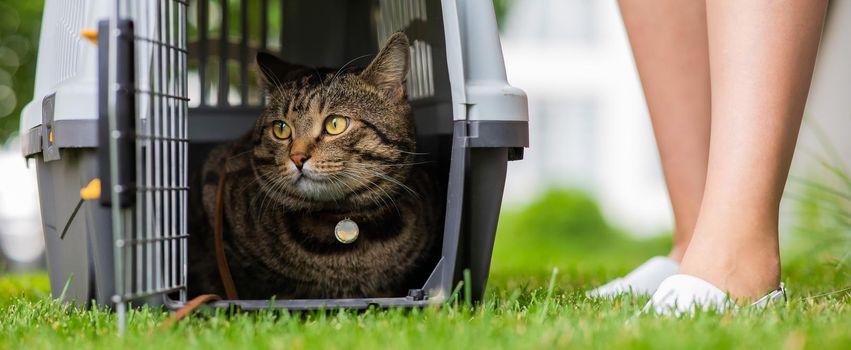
point(235, 155)
point(364, 172)
point(406, 152)
point(337, 180)
point(270, 189)
point(346, 65)
point(335, 185)
point(388, 165)
point(272, 184)
point(318, 76)
point(385, 177)
point(276, 83)
point(367, 183)
point(358, 176)
point(267, 189)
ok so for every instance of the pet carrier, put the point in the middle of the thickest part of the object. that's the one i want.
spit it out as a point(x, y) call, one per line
point(130, 95)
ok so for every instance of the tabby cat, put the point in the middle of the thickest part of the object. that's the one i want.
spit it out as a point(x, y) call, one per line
point(330, 145)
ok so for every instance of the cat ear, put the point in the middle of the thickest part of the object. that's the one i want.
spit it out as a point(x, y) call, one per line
point(275, 71)
point(389, 69)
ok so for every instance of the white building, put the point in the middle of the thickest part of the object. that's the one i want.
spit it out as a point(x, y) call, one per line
point(21, 243)
point(589, 126)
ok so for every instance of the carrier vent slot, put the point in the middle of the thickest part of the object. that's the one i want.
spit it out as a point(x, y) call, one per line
point(225, 35)
point(409, 16)
point(65, 20)
point(420, 76)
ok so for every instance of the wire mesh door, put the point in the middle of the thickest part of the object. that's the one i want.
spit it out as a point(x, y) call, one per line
point(151, 231)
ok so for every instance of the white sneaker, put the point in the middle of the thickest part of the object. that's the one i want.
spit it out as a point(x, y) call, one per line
point(681, 294)
point(645, 279)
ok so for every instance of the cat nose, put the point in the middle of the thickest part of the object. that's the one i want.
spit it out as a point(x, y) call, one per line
point(299, 159)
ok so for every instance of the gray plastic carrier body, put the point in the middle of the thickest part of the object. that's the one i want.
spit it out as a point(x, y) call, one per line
point(140, 108)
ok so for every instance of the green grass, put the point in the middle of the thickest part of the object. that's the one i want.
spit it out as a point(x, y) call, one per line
point(523, 309)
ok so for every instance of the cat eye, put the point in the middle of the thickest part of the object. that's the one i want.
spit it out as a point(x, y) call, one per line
point(281, 130)
point(336, 124)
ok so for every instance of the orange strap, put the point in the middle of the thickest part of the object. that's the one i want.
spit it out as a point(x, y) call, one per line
point(221, 261)
point(218, 240)
point(189, 307)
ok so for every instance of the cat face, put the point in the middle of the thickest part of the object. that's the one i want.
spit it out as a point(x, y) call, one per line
point(335, 137)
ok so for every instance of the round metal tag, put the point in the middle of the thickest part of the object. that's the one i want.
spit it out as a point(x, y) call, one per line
point(346, 231)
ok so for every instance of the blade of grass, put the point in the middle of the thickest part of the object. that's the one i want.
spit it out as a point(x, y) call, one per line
point(838, 172)
point(453, 298)
point(468, 289)
point(821, 187)
point(65, 288)
point(549, 296)
point(830, 207)
point(825, 142)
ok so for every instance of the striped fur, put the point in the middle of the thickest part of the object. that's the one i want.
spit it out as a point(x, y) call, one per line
point(279, 220)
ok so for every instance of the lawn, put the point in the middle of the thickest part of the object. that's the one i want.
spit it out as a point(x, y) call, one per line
point(535, 300)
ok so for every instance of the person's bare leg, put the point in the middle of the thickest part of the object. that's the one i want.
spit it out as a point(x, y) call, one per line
point(669, 42)
point(762, 54)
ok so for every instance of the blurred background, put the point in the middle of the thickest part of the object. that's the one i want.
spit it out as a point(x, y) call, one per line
point(591, 180)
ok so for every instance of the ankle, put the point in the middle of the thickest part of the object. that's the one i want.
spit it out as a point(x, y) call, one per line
point(681, 239)
point(746, 274)
point(677, 252)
